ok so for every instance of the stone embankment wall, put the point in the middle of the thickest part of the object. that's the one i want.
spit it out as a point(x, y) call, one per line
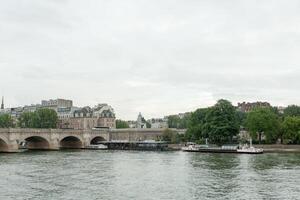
point(135, 134)
point(279, 148)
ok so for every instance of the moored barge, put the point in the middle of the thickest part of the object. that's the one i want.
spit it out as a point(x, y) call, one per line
point(245, 149)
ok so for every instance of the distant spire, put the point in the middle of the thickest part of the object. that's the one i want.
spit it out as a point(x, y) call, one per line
point(2, 104)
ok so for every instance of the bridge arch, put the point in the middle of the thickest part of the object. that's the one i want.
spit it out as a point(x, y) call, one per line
point(71, 142)
point(97, 140)
point(37, 142)
point(3, 146)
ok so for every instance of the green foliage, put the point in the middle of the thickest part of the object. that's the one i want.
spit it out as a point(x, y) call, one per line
point(26, 120)
point(292, 111)
point(121, 124)
point(42, 118)
point(6, 121)
point(196, 124)
point(263, 121)
point(221, 123)
point(241, 118)
point(218, 123)
point(172, 136)
point(291, 130)
point(174, 121)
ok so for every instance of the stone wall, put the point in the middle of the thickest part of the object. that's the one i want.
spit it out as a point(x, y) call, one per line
point(135, 134)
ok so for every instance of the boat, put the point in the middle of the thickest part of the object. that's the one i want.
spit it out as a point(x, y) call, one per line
point(97, 147)
point(239, 149)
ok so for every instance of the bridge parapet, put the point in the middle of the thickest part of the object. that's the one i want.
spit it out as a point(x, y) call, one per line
point(50, 139)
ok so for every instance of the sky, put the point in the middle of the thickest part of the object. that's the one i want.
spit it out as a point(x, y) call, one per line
point(158, 57)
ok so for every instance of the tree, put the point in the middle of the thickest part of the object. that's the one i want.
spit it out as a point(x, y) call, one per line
point(26, 120)
point(171, 136)
point(195, 125)
point(291, 130)
point(42, 118)
point(221, 123)
point(45, 118)
point(241, 118)
point(6, 121)
point(173, 121)
point(263, 121)
point(292, 111)
point(121, 124)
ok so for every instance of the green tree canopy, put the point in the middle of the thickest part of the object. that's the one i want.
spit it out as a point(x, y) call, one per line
point(263, 121)
point(221, 123)
point(121, 124)
point(171, 136)
point(6, 121)
point(45, 118)
point(174, 121)
point(292, 111)
point(241, 118)
point(291, 130)
point(196, 123)
point(42, 118)
point(26, 120)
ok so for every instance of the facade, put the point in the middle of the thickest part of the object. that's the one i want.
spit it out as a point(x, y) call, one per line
point(103, 109)
point(132, 124)
point(101, 115)
point(78, 123)
point(247, 107)
point(141, 123)
point(281, 109)
point(159, 123)
point(32, 108)
point(57, 103)
point(67, 112)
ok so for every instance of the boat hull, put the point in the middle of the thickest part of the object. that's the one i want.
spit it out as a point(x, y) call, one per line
point(220, 151)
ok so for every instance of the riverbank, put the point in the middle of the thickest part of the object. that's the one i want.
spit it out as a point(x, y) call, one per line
point(273, 148)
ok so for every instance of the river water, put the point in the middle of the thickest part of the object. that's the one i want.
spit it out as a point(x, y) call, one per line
point(148, 175)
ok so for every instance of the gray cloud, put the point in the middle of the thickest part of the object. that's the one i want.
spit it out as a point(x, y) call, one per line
point(157, 57)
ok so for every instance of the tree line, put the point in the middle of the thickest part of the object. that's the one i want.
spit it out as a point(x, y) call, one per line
point(222, 122)
point(41, 118)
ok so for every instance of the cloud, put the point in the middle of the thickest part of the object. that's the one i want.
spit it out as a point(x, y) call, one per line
point(154, 57)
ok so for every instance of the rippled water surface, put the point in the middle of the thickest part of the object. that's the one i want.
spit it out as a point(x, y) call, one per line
point(148, 175)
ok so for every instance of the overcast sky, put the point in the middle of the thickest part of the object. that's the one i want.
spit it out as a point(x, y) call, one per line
point(157, 57)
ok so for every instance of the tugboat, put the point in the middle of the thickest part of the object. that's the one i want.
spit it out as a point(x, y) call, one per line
point(192, 147)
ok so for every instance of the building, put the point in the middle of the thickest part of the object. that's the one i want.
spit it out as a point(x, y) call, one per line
point(247, 107)
point(78, 123)
point(102, 115)
point(66, 112)
point(141, 122)
point(281, 109)
point(31, 108)
point(57, 103)
point(132, 124)
point(159, 123)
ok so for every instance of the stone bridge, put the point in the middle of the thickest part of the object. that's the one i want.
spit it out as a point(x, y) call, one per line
point(55, 139)
point(50, 139)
